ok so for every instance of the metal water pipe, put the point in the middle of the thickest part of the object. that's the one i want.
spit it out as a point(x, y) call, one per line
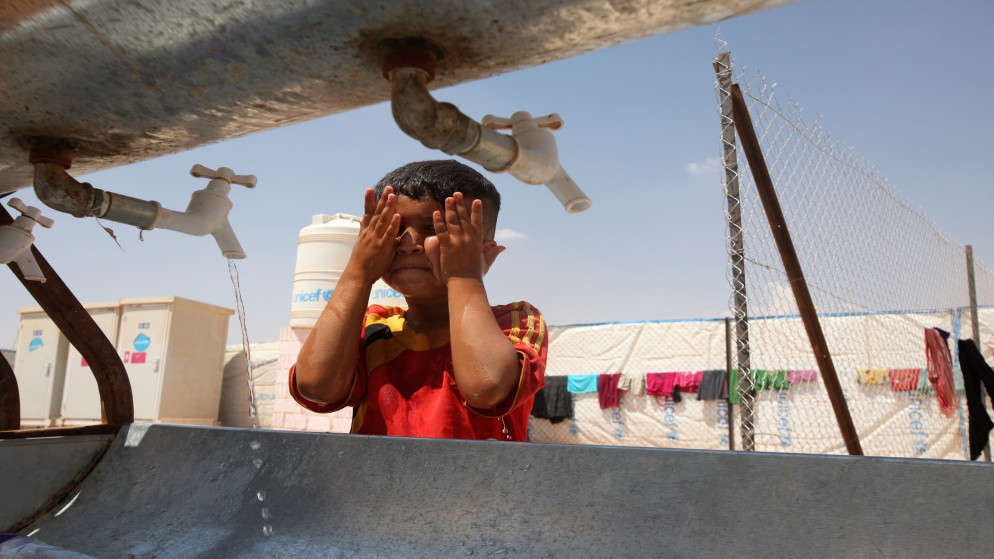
point(529, 153)
point(206, 214)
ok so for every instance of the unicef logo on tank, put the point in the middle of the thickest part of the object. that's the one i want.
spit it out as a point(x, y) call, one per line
point(323, 249)
point(316, 296)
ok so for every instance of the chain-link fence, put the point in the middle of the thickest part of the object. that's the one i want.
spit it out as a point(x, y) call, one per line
point(879, 275)
point(878, 271)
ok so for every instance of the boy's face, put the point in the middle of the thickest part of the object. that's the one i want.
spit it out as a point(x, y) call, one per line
point(416, 271)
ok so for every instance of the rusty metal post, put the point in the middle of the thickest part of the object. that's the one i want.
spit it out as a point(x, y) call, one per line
point(10, 398)
point(806, 307)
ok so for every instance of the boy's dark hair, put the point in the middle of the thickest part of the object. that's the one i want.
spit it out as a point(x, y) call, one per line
point(441, 178)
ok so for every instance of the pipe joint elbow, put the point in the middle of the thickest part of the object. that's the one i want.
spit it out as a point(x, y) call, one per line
point(529, 153)
point(60, 191)
point(436, 125)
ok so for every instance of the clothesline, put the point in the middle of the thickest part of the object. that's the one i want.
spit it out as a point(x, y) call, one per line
point(708, 385)
point(553, 402)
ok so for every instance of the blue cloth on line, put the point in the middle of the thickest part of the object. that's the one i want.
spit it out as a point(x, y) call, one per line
point(581, 384)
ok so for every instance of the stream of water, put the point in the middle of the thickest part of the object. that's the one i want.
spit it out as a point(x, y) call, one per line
point(253, 410)
point(255, 446)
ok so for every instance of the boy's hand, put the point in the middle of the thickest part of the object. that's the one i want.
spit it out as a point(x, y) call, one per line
point(375, 248)
point(463, 252)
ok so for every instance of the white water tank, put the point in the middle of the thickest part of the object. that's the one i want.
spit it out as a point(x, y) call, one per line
point(323, 250)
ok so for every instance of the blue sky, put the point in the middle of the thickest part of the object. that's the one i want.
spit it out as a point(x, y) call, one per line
point(904, 83)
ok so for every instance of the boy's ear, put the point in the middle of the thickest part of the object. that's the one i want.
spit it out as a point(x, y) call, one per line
point(490, 252)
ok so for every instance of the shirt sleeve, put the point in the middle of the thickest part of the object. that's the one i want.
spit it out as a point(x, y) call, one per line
point(524, 326)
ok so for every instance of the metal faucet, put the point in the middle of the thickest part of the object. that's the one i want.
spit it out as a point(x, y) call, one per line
point(207, 212)
point(16, 240)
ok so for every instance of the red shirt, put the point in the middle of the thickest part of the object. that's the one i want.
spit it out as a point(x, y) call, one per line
point(405, 385)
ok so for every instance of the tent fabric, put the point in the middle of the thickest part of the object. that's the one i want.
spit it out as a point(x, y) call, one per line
point(900, 416)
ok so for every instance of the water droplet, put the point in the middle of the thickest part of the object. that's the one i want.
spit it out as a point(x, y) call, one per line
point(255, 445)
point(261, 495)
point(257, 463)
point(265, 513)
point(267, 530)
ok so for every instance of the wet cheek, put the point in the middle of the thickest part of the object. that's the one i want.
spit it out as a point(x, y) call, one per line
point(432, 251)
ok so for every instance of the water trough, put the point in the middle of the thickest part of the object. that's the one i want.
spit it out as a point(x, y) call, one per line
point(183, 492)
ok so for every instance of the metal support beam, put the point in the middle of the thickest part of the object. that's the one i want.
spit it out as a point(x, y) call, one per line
point(78, 326)
point(10, 398)
point(795, 275)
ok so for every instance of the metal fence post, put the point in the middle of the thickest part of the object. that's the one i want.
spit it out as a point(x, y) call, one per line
point(723, 70)
point(971, 283)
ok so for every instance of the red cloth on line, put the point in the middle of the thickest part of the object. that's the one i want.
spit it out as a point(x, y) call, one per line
point(607, 390)
point(689, 382)
point(660, 384)
point(940, 371)
point(904, 380)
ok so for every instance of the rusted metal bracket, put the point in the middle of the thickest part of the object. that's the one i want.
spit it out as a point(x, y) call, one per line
point(78, 326)
point(10, 400)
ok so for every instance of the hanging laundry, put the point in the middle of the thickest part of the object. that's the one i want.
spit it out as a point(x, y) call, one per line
point(924, 386)
point(633, 383)
point(734, 396)
point(689, 382)
point(765, 380)
point(607, 390)
point(940, 370)
point(976, 371)
point(662, 384)
point(872, 376)
point(804, 375)
point(553, 402)
point(780, 381)
point(903, 380)
point(713, 386)
point(581, 384)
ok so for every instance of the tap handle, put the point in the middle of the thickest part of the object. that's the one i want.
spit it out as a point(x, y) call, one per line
point(31, 212)
point(248, 181)
point(551, 122)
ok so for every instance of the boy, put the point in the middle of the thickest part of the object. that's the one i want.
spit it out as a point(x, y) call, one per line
point(450, 365)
